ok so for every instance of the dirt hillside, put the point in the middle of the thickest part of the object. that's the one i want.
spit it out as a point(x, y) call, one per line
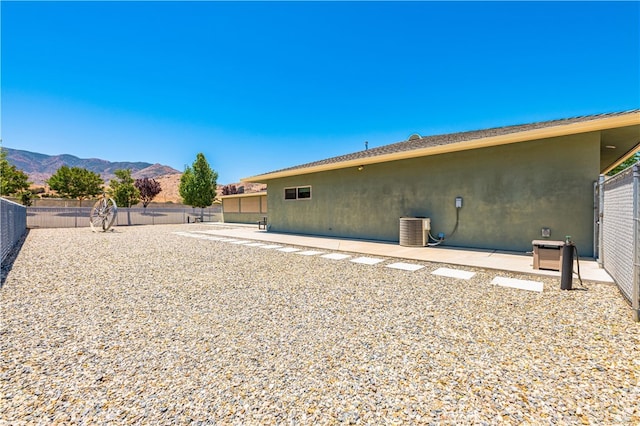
point(171, 182)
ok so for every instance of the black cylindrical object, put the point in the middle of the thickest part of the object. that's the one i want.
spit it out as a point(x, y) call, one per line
point(566, 270)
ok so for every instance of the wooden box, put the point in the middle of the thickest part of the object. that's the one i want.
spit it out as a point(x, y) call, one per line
point(547, 254)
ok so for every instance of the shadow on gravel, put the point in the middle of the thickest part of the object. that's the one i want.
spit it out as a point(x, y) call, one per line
point(7, 263)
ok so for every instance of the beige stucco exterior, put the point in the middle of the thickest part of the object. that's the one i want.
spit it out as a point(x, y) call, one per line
point(244, 208)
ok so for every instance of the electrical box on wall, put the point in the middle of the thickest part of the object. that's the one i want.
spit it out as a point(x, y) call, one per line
point(458, 202)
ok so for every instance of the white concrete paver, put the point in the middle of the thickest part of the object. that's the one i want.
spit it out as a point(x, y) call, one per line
point(336, 256)
point(367, 260)
point(519, 284)
point(309, 252)
point(486, 259)
point(592, 273)
point(454, 273)
point(405, 266)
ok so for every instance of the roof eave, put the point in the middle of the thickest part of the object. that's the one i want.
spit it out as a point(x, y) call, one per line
point(624, 120)
point(622, 159)
point(243, 195)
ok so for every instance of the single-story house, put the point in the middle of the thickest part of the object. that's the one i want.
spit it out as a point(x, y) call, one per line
point(244, 208)
point(497, 188)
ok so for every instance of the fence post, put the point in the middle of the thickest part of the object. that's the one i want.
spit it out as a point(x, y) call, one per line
point(635, 303)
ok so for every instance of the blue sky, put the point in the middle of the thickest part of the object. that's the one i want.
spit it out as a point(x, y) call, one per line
point(260, 86)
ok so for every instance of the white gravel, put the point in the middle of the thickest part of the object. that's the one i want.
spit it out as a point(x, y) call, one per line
point(146, 326)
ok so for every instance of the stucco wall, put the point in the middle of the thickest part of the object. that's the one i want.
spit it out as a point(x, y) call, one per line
point(246, 208)
point(509, 193)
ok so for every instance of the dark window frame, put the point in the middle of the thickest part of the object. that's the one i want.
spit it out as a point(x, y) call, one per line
point(293, 193)
point(289, 194)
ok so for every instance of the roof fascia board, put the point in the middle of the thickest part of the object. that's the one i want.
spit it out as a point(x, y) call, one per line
point(243, 195)
point(524, 136)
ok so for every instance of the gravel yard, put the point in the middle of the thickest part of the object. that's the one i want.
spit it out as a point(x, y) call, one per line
point(145, 326)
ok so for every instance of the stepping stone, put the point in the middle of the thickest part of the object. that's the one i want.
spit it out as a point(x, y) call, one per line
point(310, 252)
point(240, 242)
point(519, 284)
point(209, 233)
point(289, 249)
point(454, 273)
point(405, 266)
point(256, 245)
point(271, 246)
point(336, 256)
point(367, 260)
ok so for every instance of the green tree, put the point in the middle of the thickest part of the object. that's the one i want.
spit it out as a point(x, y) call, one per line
point(12, 180)
point(26, 198)
point(627, 163)
point(76, 182)
point(123, 190)
point(198, 184)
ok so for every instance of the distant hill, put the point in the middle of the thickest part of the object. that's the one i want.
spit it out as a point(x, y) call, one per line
point(40, 167)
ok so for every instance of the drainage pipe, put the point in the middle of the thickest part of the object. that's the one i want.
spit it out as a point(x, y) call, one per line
point(598, 251)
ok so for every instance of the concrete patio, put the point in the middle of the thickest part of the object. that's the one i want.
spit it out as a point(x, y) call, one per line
point(489, 259)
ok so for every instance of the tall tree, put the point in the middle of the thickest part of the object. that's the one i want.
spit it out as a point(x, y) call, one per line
point(148, 188)
point(12, 179)
point(198, 183)
point(76, 182)
point(123, 191)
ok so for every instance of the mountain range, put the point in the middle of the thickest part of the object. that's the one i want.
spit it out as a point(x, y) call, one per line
point(40, 167)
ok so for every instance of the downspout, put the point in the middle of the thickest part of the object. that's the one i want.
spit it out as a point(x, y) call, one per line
point(600, 252)
point(635, 303)
point(596, 222)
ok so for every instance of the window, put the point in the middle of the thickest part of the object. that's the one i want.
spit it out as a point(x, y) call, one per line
point(297, 193)
point(304, 192)
point(290, 193)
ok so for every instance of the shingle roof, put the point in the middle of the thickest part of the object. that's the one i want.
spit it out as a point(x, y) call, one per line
point(447, 139)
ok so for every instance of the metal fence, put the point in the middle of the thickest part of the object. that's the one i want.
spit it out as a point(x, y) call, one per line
point(13, 225)
point(74, 217)
point(619, 249)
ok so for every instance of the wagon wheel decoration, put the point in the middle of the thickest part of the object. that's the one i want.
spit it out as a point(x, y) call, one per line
point(103, 214)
